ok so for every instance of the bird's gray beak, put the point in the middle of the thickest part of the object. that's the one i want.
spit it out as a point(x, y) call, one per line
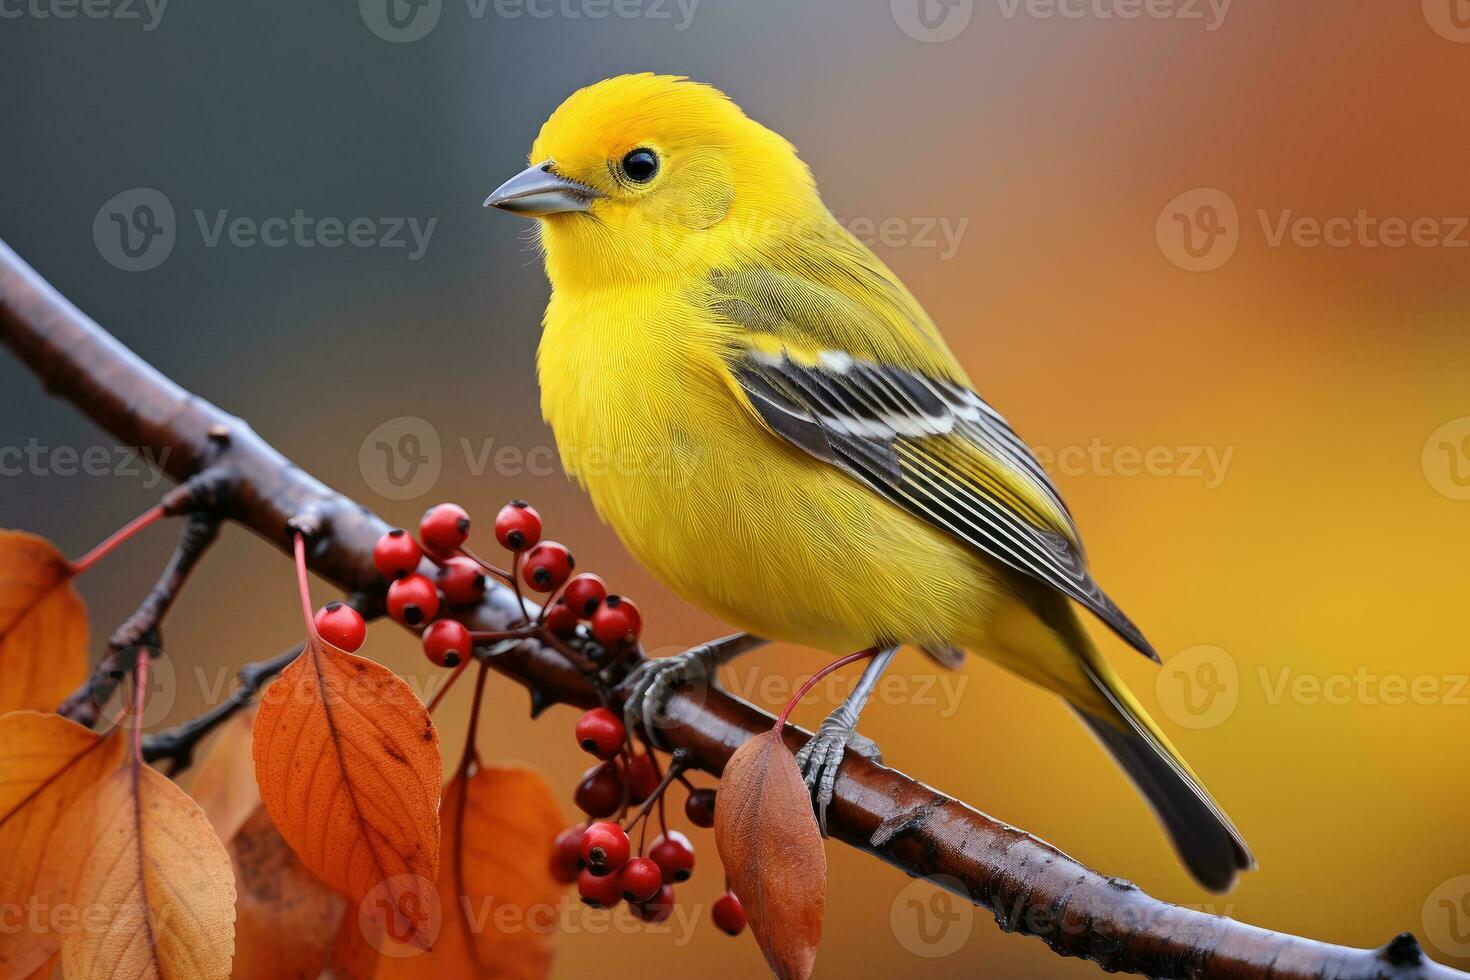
point(536, 191)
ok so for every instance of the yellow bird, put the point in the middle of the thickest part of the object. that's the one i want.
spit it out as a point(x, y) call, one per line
point(775, 428)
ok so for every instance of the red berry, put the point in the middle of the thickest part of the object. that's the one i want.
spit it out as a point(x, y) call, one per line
point(699, 807)
point(560, 618)
point(413, 600)
point(397, 554)
point(340, 625)
point(517, 526)
point(601, 732)
point(598, 891)
point(447, 643)
point(656, 909)
point(585, 593)
point(600, 792)
point(547, 566)
point(674, 855)
point(616, 621)
point(641, 776)
point(729, 914)
point(605, 847)
point(640, 879)
point(443, 529)
point(566, 854)
point(462, 581)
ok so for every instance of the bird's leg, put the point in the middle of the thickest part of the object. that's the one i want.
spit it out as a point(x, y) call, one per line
point(648, 687)
point(821, 756)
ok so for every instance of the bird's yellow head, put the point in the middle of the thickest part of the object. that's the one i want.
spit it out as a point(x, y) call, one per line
point(647, 176)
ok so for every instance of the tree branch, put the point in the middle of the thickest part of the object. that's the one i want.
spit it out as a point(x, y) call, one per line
point(1032, 888)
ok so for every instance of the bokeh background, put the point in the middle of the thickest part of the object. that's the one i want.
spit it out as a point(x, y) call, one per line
point(1264, 439)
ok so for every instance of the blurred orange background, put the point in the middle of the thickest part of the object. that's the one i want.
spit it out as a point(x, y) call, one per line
point(1269, 456)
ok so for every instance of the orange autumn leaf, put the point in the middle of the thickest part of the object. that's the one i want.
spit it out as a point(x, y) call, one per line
point(348, 765)
point(43, 625)
point(285, 918)
point(353, 957)
point(497, 899)
point(223, 784)
point(150, 880)
point(772, 851)
point(47, 766)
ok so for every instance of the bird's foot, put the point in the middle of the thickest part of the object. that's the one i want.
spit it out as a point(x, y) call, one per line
point(649, 686)
point(820, 758)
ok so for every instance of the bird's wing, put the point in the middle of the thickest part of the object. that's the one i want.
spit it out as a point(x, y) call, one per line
point(914, 432)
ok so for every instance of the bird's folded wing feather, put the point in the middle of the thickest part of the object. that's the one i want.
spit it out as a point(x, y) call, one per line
point(851, 371)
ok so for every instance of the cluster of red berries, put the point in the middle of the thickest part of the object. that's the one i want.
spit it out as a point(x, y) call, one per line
point(598, 856)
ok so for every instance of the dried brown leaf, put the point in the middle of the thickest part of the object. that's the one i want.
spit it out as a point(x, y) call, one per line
point(773, 854)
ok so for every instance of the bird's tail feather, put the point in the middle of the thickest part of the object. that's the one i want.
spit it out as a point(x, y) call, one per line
point(1205, 838)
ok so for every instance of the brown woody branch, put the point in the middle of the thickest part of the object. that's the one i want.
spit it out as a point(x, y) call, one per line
point(1031, 887)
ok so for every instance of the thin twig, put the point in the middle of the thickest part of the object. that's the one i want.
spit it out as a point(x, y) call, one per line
point(177, 744)
point(143, 629)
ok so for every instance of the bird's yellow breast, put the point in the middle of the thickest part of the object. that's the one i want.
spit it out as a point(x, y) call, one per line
point(724, 512)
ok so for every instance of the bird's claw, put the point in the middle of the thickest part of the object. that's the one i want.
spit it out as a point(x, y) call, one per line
point(649, 686)
point(821, 757)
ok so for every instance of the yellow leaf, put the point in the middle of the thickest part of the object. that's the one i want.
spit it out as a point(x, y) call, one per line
point(285, 918)
point(47, 766)
point(348, 765)
point(43, 625)
point(153, 889)
point(497, 899)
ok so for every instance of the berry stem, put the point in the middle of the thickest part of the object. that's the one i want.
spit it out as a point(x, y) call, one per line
point(495, 570)
point(118, 537)
point(140, 696)
point(816, 678)
point(676, 766)
point(439, 694)
point(471, 757)
point(515, 583)
point(305, 587)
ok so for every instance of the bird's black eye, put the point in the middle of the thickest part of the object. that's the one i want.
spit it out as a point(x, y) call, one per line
point(640, 165)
